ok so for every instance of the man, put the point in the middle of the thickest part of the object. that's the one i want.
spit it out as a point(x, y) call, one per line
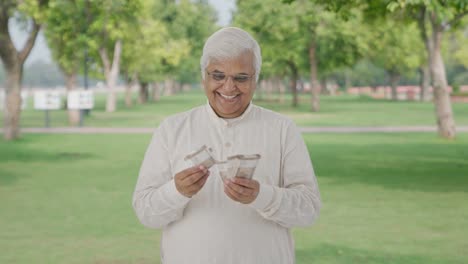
point(209, 220)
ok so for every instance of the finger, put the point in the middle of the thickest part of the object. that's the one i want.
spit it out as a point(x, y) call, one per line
point(231, 193)
point(202, 181)
point(196, 187)
point(191, 179)
point(248, 183)
point(240, 189)
point(190, 171)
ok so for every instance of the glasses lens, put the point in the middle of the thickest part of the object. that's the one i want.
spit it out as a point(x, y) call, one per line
point(218, 76)
point(241, 78)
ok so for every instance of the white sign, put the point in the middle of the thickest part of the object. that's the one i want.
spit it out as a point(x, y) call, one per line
point(47, 100)
point(83, 99)
point(24, 100)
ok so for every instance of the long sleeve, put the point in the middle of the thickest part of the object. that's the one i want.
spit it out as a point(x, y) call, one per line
point(156, 200)
point(297, 202)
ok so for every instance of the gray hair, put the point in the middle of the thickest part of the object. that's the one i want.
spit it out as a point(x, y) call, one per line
point(228, 43)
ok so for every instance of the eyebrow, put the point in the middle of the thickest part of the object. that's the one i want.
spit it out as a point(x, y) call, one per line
point(241, 73)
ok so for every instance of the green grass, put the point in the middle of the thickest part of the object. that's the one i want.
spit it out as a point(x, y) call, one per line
point(342, 110)
point(387, 198)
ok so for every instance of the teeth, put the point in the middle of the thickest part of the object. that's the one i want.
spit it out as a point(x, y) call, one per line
point(228, 97)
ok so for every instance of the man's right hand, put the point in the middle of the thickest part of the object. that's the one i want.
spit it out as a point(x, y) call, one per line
point(189, 181)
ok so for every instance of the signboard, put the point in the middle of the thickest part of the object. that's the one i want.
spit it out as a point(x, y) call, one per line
point(47, 100)
point(24, 100)
point(83, 99)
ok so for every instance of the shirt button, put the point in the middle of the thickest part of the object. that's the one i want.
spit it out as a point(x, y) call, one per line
point(229, 125)
point(227, 144)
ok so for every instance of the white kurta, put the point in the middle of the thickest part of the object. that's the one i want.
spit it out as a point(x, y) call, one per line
point(210, 227)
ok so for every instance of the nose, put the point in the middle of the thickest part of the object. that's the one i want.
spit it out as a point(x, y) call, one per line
point(229, 83)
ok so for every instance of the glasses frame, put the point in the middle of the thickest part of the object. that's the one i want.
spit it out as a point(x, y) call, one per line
point(233, 78)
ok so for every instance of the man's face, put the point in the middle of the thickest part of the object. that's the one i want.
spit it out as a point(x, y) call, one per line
point(230, 85)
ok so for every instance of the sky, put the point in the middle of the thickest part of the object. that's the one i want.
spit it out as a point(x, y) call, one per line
point(42, 52)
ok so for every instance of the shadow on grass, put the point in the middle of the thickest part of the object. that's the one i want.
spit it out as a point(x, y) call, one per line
point(431, 167)
point(7, 177)
point(19, 151)
point(14, 154)
point(326, 253)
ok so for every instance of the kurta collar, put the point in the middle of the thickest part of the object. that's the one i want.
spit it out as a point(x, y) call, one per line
point(227, 122)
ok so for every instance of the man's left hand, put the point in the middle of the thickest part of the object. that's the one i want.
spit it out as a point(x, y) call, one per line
point(241, 190)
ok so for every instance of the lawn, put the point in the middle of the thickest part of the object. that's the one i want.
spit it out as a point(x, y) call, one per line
point(344, 110)
point(388, 198)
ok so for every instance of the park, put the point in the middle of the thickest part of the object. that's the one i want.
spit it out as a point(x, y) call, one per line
point(392, 170)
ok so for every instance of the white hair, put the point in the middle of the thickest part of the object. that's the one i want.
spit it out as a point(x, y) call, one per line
point(228, 43)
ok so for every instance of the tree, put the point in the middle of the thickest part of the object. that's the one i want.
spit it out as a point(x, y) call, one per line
point(32, 12)
point(276, 28)
point(303, 36)
point(193, 21)
point(65, 33)
point(333, 42)
point(435, 17)
point(396, 48)
point(151, 49)
point(110, 21)
point(189, 22)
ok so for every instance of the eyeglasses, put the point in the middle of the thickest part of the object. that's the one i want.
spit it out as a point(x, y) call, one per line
point(238, 79)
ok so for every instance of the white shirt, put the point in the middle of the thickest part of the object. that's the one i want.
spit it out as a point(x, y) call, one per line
point(210, 227)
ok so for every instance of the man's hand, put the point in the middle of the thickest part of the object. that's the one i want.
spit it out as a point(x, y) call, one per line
point(241, 190)
point(189, 181)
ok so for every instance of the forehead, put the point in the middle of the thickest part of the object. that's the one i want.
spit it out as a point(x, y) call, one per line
point(240, 64)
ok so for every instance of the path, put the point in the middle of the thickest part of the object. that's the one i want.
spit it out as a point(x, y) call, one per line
point(147, 130)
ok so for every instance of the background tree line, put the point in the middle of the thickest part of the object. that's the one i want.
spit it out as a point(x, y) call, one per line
point(147, 43)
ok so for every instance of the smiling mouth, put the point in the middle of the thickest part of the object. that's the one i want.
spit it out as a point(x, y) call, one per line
point(228, 97)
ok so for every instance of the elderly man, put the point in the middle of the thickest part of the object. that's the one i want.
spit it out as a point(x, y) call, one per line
point(204, 218)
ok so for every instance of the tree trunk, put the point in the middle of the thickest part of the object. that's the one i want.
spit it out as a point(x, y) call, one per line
point(144, 93)
point(156, 92)
point(169, 87)
point(314, 82)
point(260, 89)
point(323, 86)
point(293, 83)
point(128, 94)
point(73, 114)
point(186, 87)
point(111, 72)
point(282, 90)
point(424, 82)
point(443, 105)
point(12, 110)
point(347, 79)
point(394, 80)
point(130, 82)
point(177, 87)
point(269, 89)
point(425, 68)
point(13, 61)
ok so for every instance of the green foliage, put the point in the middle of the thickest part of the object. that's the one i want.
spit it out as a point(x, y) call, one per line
point(168, 40)
point(189, 23)
point(396, 47)
point(34, 9)
point(110, 21)
point(66, 33)
point(285, 32)
point(276, 28)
